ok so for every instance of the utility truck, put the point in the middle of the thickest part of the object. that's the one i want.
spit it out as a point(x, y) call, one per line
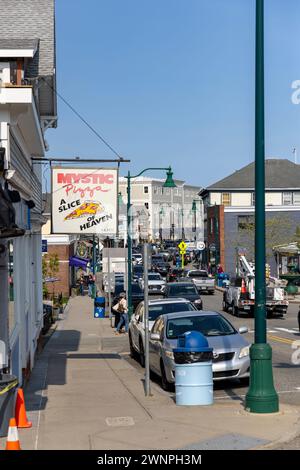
point(240, 296)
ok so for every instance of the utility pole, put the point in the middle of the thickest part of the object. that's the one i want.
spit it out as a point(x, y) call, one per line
point(146, 254)
point(261, 396)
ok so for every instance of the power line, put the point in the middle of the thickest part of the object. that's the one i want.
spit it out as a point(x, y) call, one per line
point(82, 119)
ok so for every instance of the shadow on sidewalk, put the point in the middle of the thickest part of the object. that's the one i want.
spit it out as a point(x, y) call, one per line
point(50, 367)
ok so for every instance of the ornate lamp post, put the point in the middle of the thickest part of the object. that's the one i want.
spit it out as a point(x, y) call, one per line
point(169, 183)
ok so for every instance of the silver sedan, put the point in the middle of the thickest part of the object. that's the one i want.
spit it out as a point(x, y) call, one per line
point(230, 349)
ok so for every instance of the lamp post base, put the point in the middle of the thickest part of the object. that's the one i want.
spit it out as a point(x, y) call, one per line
point(261, 396)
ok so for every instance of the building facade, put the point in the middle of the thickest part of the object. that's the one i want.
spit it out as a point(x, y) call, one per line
point(27, 109)
point(229, 209)
point(164, 213)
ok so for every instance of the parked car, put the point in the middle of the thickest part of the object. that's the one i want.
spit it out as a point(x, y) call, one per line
point(161, 268)
point(186, 290)
point(156, 308)
point(156, 283)
point(202, 280)
point(230, 349)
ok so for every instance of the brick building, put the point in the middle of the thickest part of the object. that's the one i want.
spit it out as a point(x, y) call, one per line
point(229, 209)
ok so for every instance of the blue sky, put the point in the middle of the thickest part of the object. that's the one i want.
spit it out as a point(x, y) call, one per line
point(172, 82)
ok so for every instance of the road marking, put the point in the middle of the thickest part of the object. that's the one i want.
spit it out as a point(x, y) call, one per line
point(286, 330)
point(281, 340)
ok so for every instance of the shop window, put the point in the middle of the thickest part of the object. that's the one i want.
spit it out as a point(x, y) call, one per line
point(287, 198)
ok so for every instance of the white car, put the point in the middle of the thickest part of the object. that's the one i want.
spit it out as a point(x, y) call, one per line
point(157, 307)
point(137, 258)
point(156, 283)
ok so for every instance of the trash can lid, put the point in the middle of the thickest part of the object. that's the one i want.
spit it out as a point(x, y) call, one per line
point(192, 341)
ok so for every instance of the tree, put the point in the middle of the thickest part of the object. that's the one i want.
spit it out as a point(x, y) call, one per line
point(278, 232)
point(50, 267)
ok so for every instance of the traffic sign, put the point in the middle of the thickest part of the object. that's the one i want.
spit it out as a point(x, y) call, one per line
point(200, 246)
point(182, 252)
point(182, 246)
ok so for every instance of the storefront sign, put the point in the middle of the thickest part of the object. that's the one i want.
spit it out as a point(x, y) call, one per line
point(84, 201)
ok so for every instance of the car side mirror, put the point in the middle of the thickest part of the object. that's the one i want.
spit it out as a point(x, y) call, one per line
point(243, 330)
point(155, 337)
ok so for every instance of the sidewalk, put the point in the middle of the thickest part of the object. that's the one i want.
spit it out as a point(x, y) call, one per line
point(83, 394)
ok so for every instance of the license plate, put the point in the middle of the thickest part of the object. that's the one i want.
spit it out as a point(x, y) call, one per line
point(247, 307)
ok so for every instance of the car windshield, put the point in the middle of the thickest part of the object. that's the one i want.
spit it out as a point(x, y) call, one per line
point(198, 274)
point(138, 269)
point(154, 277)
point(208, 325)
point(161, 309)
point(187, 289)
point(135, 289)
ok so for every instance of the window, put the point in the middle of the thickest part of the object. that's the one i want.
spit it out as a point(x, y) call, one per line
point(146, 189)
point(287, 198)
point(212, 325)
point(155, 190)
point(296, 198)
point(253, 199)
point(226, 199)
point(245, 222)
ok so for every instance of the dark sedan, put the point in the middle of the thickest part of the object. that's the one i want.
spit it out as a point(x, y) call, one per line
point(161, 268)
point(187, 290)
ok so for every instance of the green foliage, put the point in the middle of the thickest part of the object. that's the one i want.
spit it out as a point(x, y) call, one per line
point(278, 232)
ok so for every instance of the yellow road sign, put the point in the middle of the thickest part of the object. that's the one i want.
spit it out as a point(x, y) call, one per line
point(182, 246)
point(182, 252)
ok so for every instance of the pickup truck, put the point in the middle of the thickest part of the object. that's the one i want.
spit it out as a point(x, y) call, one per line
point(202, 280)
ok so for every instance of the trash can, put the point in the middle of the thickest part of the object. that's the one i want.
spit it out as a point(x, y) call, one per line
point(99, 307)
point(193, 370)
point(8, 386)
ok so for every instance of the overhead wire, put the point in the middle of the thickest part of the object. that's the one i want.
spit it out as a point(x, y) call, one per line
point(82, 119)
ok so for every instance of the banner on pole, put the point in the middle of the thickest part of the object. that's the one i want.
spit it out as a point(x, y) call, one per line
point(84, 200)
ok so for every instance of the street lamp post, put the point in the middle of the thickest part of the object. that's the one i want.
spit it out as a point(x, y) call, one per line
point(194, 211)
point(261, 396)
point(169, 183)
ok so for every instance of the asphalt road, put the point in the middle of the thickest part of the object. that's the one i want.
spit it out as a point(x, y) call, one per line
point(282, 333)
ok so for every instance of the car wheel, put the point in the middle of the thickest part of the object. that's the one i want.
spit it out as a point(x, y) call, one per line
point(225, 306)
point(142, 354)
point(164, 381)
point(235, 310)
point(132, 350)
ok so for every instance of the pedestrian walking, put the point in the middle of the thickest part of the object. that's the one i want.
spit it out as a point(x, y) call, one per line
point(121, 308)
point(81, 285)
point(91, 283)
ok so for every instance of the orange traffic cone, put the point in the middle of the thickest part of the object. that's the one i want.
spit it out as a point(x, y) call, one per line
point(21, 418)
point(243, 289)
point(12, 442)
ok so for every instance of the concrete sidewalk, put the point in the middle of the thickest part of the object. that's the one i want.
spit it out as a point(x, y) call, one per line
point(83, 394)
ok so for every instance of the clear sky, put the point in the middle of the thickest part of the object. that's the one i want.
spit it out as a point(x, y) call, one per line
point(172, 82)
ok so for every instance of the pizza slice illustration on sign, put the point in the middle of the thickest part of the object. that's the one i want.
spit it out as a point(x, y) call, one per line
point(88, 208)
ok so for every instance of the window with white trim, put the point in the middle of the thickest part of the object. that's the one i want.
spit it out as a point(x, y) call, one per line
point(296, 198)
point(287, 198)
point(226, 199)
point(146, 189)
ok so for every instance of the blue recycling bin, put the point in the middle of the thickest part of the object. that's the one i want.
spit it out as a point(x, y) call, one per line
point(99, 307)
point(193, 370)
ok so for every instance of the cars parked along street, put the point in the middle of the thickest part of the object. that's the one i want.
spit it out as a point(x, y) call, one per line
point(230, 349)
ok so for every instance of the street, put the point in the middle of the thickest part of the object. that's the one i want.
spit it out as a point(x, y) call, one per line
point(282, 332)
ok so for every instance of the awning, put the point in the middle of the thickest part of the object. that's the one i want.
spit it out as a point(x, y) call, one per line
point(79, 262)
